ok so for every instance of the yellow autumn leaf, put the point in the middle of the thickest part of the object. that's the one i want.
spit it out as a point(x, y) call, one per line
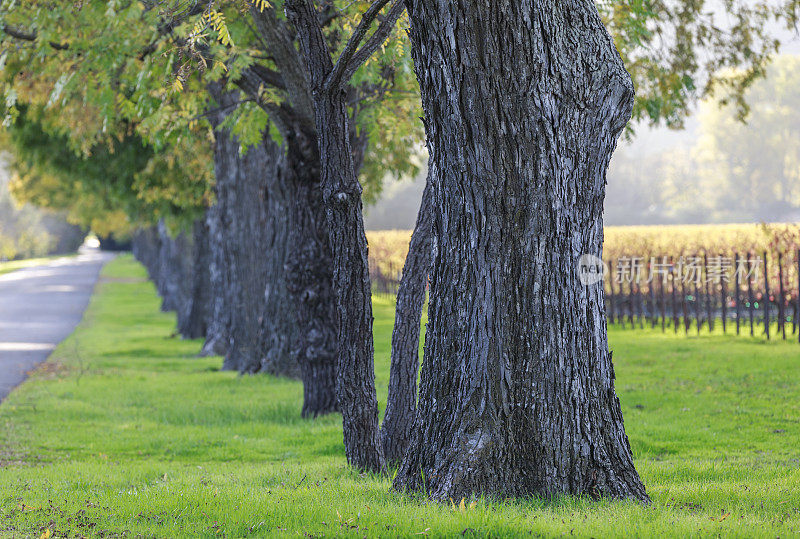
point(262, 4)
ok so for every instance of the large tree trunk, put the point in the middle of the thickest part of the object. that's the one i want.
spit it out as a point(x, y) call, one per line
point(355, 386)
point(524, 102)
point(401, 404)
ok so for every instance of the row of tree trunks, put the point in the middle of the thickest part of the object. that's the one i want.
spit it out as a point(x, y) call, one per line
point(517, 387)
point(263, 278)
point(341, 191)
point(250, 322)
point(174, 263)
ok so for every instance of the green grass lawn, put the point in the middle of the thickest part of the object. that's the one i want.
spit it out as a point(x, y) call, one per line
point(126, 433)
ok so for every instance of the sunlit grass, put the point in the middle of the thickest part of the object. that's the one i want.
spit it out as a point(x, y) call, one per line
point(13, 265)
point(127, 432)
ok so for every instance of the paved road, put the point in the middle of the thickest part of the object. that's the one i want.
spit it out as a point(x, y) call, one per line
point(39, 307)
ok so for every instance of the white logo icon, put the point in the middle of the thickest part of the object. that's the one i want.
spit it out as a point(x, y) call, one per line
point(591, 269)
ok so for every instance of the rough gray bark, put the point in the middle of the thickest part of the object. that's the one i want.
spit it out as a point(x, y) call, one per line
point(524, 102)
point(246, 222)
point(401, 403)
point(355, 386)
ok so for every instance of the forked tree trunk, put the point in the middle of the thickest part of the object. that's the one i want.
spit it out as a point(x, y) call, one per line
point(355, 386)
point(401, 404)
point(524, 102)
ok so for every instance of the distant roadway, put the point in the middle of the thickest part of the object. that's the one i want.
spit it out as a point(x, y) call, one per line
point(39, 307)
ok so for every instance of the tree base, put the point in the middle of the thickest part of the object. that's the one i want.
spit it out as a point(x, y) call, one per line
point(319, 389)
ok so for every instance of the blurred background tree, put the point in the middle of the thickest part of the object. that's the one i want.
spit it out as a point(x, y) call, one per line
point(27, 231)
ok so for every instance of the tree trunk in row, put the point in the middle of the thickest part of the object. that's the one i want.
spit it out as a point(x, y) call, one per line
point(279, 329)
point(182, 253)
point(341, 191)
point(192, 318)
point(145, 249)
point(401, 404)
point(252, 251)
point(178, 267)
point(218, 313)
point(310, 277)
point(355, 385)
point(170, 270)
point(289, 242)
point(524, 102)
point(249, 262)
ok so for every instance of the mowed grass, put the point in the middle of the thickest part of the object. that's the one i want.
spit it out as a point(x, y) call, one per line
point(126, 433)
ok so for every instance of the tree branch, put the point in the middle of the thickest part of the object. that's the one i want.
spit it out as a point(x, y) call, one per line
point(286, 58)
point(269, 76)
point(375, 41)
point(351, 51)
point(31, 36)
point(312, 42)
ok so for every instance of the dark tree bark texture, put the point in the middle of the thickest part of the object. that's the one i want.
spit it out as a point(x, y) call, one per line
point(251, 229)
point(341, 193)
point(401, 403)
point(524, 102)
point(309, 271)
point(218, 314)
